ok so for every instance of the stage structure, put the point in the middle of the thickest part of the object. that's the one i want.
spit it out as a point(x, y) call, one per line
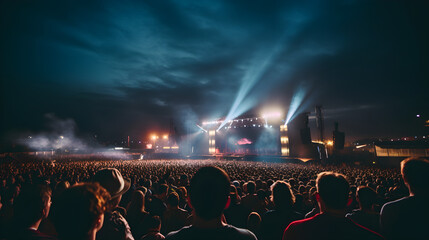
point(247, 135)
point(266, 135)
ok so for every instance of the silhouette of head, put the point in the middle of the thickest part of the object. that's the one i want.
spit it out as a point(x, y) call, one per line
point(415, 172)
point(333, 189)
point(209, 192)
point(79, 210)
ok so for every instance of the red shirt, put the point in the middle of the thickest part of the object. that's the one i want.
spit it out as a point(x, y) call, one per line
point(326, 226)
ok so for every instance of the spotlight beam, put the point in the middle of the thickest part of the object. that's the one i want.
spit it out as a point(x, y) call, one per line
point(296, 104)
point(252, 76)
point(201, 128)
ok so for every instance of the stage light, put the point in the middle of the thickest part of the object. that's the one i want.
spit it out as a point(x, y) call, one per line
point(276, 114)
point(296, 104)
point(253, 74)
point(154, 137)
point(165, 137)
point(330, 143)
point(284, 140)
point(201, 128)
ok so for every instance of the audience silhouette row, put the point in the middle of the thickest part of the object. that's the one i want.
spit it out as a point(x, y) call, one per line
point(212, 200)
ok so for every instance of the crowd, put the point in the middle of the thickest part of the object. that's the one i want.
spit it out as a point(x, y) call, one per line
point(211, 199)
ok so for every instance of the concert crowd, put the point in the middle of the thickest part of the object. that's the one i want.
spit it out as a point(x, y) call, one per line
point(211, 199)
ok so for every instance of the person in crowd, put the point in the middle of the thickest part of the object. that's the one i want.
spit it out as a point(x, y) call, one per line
point(115, 225)
point(315, 205)
point(209, 195)
point(299, 205)
point(254, 223)
point(183, 196)
point(31, 206)
point(261, 209)
point(157, 205)
point(79, 211)
point(275, 221)
point(9, 197)
point(407, 218)
point(251, 200)
point(137, 216)
point(365, 215)
point(174, 217)
point(331, 223)
point(154, 227)
point(235, 214)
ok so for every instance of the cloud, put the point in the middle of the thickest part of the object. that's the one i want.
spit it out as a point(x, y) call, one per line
point(144, 60)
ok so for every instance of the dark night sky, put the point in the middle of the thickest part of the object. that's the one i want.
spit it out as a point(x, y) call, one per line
point(119, 68)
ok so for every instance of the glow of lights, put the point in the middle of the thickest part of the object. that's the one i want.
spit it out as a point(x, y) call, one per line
point(252, 75)
point(285, 151)
point(418, 115)
point(154, 137)
point(201, 128)
point(330, 143)
point(296, 102)
point(62, 137)
point(244, 141)
point(166, 147)
point(361, 146)
point(212, 150)
point(212, 122)
point(284, 140)
point(149, 146)
point(272, 115)
point(165, 137)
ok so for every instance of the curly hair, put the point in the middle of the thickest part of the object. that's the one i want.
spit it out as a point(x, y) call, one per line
point(78, 208)
point(282, 195)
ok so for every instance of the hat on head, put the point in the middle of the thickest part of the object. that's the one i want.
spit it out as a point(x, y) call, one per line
point(111, 179)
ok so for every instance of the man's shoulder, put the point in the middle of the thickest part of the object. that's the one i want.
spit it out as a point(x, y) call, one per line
point(397, 204)
point(324, 226)
point(225, 233)
point(295, 229)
